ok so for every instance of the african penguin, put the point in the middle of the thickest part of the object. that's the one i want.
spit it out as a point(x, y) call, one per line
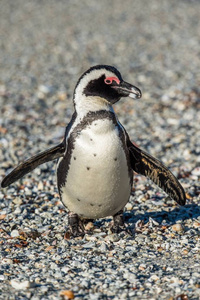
point(96, 156)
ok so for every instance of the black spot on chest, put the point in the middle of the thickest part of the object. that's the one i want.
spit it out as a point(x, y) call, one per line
point(91, 117)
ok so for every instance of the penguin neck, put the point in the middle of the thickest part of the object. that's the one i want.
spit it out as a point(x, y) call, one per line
point(89, 104)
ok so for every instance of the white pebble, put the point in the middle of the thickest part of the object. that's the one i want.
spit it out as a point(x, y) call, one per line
point(6, 261)
point(196, 171)
point(14, 233)
point(129, 206)
point(19, 285)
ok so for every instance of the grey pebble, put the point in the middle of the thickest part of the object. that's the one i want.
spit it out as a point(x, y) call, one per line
point(112, 237)
point(88, 245)
point(103, 247)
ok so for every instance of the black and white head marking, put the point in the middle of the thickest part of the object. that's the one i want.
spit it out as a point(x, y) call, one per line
point(102, 85)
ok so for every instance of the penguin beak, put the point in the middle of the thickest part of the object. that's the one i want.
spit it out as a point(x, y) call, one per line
point(126, 89)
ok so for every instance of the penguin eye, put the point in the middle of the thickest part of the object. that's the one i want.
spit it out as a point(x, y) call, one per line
point(109, 80)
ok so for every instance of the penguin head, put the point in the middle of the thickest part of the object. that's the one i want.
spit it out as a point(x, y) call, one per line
point(104, 83)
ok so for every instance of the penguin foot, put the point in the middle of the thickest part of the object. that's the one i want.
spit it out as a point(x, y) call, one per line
point(75, 225)
point(118, 222)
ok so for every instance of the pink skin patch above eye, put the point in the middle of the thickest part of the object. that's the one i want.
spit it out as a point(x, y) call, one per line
point(109, 80)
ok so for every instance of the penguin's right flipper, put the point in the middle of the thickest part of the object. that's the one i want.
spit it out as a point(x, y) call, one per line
point(147, 165)
point(33, 162)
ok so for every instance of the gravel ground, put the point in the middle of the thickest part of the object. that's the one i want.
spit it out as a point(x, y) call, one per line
point(45, 47)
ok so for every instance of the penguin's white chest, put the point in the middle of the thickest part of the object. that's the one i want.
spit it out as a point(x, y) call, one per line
point(98, 181)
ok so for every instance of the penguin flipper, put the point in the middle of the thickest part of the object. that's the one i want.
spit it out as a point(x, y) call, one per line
point(149, 166)
point(33, 162)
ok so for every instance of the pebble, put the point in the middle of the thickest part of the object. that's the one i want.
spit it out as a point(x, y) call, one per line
point(196, 171)
point(89, 245)
point(17, 201)
point(20, 285)
point(67, 294)
point(89, 226)
point(44, 289)
point(129, 206)
point(157, 256)
point(14, 233)
point(112, 237)
point(103, 247)
point(40, 186)
point(177, 227)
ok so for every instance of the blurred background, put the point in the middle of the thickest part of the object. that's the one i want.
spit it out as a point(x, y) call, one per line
point(47, 45)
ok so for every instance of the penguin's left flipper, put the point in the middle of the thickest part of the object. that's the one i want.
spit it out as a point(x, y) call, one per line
point(149, 166)
point(33, 162)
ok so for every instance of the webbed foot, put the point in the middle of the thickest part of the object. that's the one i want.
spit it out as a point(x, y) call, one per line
point(118, 222)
